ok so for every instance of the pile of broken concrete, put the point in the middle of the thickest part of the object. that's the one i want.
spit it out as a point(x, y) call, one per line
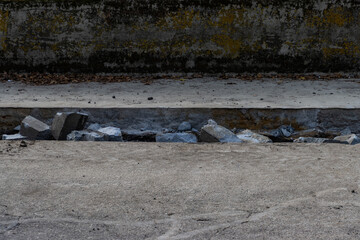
point(71, 126)
point(65, 126)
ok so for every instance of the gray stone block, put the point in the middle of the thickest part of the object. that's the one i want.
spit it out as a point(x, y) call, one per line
point(316, 140)
point(176, 137)
point(66, 122)
point(94, 127)
point(351, 139)
point(212, 132)
point(184, 126)
point(113, 133)
point(251, 137)
point(86, 135)
point(17, 136)
point(34, 129)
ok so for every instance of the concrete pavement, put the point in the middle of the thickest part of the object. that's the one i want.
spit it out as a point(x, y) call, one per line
point(67, 190)
point(187, 93)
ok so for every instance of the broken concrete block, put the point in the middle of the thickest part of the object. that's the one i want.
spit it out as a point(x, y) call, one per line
point(176, 137)
point(212, 132)
point(184, 126)
point(113, 133)
point(314, 132)
point(315, 140)
point(94, 127)
point(17, 136)
point(86, 135)
point(351, 139)
point(251, 137)
point(34, 129)
point(66, 122)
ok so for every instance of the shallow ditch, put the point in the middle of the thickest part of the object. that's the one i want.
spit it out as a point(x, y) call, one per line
point(148, 122)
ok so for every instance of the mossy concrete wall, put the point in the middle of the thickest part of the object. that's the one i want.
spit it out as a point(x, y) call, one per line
point(180, 36)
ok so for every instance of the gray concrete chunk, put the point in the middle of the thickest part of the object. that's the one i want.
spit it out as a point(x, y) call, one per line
point(315, 140)
point(251, 137)
point(176, 137)
point(184, 126)
point(351, 139)
point(17, 136)
point(86, 135)
point(66, 122)
point(113, 133)
point(34, 129)
point(212, 132)
point(94, 127)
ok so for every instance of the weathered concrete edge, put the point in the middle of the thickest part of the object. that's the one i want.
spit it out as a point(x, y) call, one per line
point(157, 118)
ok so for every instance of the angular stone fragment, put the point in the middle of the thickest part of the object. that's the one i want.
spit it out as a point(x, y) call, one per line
point(351, 139)
point(315, 140)
point(34, 129)
point(94, 127)
point(212, 132)
point(176, 137)
point(17, 136)
point(184, 126)
point(86, 135)
point(251, 137)
point(66, 122)
point(113, 133)
point(314, 132)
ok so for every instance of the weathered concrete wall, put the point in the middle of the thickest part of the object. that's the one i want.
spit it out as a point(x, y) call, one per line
point(180, 36)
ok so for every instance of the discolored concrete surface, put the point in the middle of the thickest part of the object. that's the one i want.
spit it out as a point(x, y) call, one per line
point(66, 190)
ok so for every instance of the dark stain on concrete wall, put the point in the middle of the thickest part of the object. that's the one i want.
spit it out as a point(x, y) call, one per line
point(179, 36)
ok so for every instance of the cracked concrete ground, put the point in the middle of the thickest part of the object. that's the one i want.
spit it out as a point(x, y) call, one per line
point(192, 93)
point(67, 190)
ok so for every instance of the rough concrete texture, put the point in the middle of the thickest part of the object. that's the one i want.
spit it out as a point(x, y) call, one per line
point(158, 36)
point(178, 191)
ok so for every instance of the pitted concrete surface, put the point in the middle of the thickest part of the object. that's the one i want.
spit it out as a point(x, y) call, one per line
point(67, 190)
point(192, 93)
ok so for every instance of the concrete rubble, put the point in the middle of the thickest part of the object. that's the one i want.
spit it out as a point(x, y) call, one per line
point(72, 124)
point(176, 137)
point(86, 135)
point(34, 129)
point(17, 136)
point(112, 133)
point(212, 132)
point(94, 127)
point(248, 136)
point(184, 126)
point(351, 139)
point(66, 122)
point(315, 140)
